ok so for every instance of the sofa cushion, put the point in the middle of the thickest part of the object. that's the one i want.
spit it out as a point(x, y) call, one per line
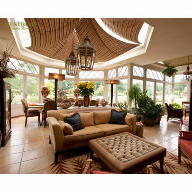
point(102, 117)
point(186, 147)
point(87, 119)
point(67, 129)
point(117, 117)
point(62, 116)
point(110, 129)
point(90, 132)
point(75, 121)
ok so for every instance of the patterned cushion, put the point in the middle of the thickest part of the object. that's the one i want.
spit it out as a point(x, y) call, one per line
point(125, 147)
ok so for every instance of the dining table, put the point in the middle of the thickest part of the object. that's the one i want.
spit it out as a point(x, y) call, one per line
point(36, 105)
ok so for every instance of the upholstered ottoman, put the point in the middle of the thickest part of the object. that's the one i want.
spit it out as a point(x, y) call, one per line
point(126, 153)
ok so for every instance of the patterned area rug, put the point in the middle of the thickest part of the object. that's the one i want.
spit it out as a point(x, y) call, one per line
point(75, 165)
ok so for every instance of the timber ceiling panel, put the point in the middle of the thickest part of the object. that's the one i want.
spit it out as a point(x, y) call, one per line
point(53, 37)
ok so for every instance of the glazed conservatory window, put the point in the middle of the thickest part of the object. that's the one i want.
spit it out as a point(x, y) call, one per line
point(32, 89)
point(180, 93)
point(50, 83)
point(122, 91)
point(159, 93)
point(67, 76)
point(50, 70)
point(168, 79)
point(91, 74)
point(151, 74)
point(122, 71)
point(180, 78)
point(139, 82)
point(138, 71)
point(168, 95)
point(112, 73)
point(16, 88)
point(68, 86)
point(150, 89)
point(98, 90)
point(23, 66)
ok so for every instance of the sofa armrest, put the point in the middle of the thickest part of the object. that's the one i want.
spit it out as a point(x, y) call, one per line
point(133, 117)
point(185, 135)
point(56, 134)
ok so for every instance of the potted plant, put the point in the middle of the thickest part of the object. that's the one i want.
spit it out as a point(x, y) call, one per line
point(86, 89)
point(170, 71)
point(123, 106)
point(134, 93)
point(176, 105)
point(150, 111)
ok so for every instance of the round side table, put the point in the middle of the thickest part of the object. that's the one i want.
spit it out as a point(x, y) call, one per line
point(139, 129)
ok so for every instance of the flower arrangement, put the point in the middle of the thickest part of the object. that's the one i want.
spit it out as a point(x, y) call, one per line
point(44, 91)
point(86, 88)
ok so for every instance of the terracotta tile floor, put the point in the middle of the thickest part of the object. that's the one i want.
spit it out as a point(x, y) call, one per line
point(28, 150)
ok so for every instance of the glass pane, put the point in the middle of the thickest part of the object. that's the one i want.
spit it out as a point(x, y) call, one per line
point(68, 86)
point(112, 73)
point(122, 91)
point(168, 79)
point(140, 82)
point(98, 91)
point(32, 89)
point(168, 95)
point(154, 74)
point(150, 89)
point(109, 94)
point(138, 71)
point(91, 74)
point(159, 93)
point(180, 78)
point(67, 76)
point(50, 83)
point(180, 93)
point(50, 70)
point(122, 71)
point(16, 88)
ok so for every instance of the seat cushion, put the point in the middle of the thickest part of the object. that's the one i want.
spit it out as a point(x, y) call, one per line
point(110, 129)
point(87, 119)
point(186, 147)
point(33, 112)
point(87, 133)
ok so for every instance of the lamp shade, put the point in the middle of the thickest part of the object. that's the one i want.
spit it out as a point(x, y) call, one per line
point(86, 54)
point(71, 64)
point(112, 81)
point(56, 76)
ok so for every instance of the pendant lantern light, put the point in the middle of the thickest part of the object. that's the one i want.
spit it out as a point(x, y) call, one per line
point(71, 63)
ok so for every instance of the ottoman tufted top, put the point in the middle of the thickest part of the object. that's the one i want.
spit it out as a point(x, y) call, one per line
point(125, 147)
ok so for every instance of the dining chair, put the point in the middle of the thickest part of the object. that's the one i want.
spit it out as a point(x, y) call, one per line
point(29, 112)
point(59, 100)
point(49, 105)
point(186, 107)
point(79, 101)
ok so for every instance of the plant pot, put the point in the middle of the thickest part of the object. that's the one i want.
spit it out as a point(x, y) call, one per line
point(158, 120)
point(150, 122)
point(86, 101)
point(169, 75)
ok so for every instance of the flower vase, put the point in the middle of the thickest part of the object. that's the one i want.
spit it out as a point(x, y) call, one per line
point(86, 101)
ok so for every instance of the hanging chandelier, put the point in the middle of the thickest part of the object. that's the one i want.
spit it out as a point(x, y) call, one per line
point(71, 63)
point(86, 54)
point(188, 72)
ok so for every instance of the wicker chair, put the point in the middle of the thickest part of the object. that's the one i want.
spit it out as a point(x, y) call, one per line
point(29, 113)
point(49, 105)
point(59, 100)
point(174, 113)
point(79, 101)
point(71, 100)
point(93, 103)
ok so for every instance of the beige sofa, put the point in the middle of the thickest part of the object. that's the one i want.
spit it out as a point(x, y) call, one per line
point(95, 125)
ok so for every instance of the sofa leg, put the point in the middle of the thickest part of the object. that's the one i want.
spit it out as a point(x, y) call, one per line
point(91, 154)
point(49, 139)
point(56, 157)
point(161, 164)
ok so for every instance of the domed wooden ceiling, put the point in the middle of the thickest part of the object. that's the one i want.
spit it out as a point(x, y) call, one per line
point(53, 37)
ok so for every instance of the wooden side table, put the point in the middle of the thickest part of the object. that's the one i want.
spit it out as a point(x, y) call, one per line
point(139, 129)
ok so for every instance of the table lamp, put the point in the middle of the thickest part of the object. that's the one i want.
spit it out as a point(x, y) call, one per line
point(57, 77)
point(112, 82)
